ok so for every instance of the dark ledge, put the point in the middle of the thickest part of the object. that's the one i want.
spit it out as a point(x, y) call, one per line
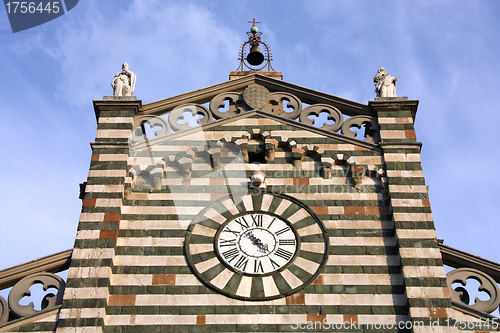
point(119, 98)
point(391, 99)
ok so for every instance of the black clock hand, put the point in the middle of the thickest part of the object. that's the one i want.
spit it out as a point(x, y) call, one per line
point(256, 241)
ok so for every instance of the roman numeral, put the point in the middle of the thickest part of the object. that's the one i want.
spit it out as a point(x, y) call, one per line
point(287, 255)
point(236, 233)
point(287, 242)
point(270, 224)
point(241, 264)
point(287, 228)
point(257, 267)
point(274, 264)
point(228, 242)
point(257, 220)
point(241, 221)
point(230, 254)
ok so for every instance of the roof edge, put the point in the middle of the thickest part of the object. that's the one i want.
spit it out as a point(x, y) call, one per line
point(306, 95)
point(7, 327)
point(52, 264)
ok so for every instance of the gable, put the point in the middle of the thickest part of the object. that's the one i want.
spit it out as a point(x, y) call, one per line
point(238, 97)
point(305, 95)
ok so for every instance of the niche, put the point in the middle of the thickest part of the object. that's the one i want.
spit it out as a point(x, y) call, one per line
point(312, 161)
point(256, 150)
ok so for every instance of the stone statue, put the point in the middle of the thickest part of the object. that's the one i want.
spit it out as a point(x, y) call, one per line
point(385, 85)
point(124, 82)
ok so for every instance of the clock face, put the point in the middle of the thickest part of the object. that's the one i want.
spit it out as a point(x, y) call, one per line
point(256, 243)
point(258, 246)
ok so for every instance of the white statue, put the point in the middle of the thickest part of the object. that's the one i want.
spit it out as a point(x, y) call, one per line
point(124, 82)
point(385, 85)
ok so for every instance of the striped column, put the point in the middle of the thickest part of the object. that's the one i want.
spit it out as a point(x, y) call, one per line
point(87, 291)
point(422, 267)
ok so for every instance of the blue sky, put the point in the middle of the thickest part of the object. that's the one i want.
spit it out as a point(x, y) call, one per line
point(445, 53)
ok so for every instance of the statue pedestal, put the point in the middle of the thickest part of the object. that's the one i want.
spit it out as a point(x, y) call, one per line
point(127, 106)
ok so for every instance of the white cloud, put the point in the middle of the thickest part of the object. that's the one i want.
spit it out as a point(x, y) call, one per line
point(177, 47)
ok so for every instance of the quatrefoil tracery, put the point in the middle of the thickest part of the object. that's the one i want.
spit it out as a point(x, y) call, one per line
point(255, 97)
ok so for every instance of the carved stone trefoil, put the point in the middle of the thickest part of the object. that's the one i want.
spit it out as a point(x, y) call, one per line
point(315, 110)
point(235, 101)
point(370, 124)
point(460, 295)
point(22, 288)
point(177, 117)
point(276, 105)
point(256, 97)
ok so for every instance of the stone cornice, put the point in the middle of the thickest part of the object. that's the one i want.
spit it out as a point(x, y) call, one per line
point(108, 145)
point(115, 104)
point(397, 145)
point(457, 258)
point(395, 104)
point(52, 264)
point(8, 327)
point(471, 312)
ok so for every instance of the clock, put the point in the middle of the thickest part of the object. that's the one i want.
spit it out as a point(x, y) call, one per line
point(256, 246)
point(256, 243)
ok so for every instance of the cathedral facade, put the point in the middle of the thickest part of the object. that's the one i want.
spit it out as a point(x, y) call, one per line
point(253, 205)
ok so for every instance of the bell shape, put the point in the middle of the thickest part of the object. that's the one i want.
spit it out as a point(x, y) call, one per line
point(255, 57)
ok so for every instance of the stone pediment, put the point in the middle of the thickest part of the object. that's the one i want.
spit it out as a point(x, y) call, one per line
point(306, 95)
point(258, 92)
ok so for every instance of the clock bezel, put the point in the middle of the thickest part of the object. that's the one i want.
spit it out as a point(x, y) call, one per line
point(207, 276)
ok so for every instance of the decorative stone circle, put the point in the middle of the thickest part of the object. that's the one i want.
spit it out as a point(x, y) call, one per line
point(4, 311)
point(461, 295)
point(22, 288)
point(256, 96)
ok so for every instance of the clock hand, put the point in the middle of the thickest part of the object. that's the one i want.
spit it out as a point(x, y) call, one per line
point(256, 241)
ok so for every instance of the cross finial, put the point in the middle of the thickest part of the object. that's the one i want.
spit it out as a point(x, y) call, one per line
point(253, 22)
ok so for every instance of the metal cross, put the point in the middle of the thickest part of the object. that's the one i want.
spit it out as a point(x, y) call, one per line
point(253, 22)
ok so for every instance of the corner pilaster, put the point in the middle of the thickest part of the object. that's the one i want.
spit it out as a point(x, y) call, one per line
point(87, 289)
point(422, 267)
